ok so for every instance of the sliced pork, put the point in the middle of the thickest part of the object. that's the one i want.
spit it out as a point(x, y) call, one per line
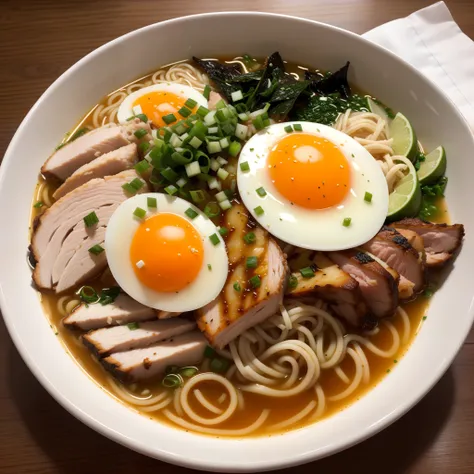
point(62, 163)
point(65, 217)
point(103, 342)
point(106, 165)
point(122, 311)
point(143, 364)
point(441, 241)
point(329, 283)
point(378, 287)
point(241, 307)
point(394, 249)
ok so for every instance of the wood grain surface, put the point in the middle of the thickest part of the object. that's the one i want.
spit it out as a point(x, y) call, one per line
point(40, 39)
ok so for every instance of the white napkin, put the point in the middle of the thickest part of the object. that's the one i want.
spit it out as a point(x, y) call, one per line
point(431, 41)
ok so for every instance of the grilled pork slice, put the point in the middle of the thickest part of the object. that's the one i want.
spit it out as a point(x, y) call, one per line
point(106, 165)
point(62, 224)
point(142, 364)
point(125, 338)
point(378, 287)
point(62, 163)
point(236, 310)
point(440, 240)
point(122, 311)
point(329, 283)
point(394, 249)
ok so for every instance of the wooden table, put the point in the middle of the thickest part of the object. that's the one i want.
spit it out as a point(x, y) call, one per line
point(40, 39)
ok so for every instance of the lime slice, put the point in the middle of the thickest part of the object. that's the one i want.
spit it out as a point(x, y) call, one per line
point(433, 167)
point(404, 138)
point(378, 109)
point(405, 199)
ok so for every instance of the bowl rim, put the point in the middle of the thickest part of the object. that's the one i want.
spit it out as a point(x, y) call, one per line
point(209, 464)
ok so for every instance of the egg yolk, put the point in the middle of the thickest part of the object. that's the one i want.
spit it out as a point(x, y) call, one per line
point(158, 103)
point(309, 171)
point(169, 252)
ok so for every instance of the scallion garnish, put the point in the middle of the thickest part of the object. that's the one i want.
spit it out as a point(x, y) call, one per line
point(212, 209)
point(307, 272)
point(191, 103)
point(209, 266)
point(142, 117)
point(191, 213)
point(151, 202)
point(172, 381)
point(259, 210)
point(250, 238)
point(96, 249)
point(198, 195)
point(237, 286)
point(236, 96)
point(184, 112)
point(209, 352)
point(234, 148)
point(261, 192)
point(139, 212)
point(170, 118)
point(88, 295)
point(346, 222)
point(223, 231)
point(38, 204)
point(140, 133)
point(219, 365)
point(255, 281)
point(288, 129)
point(143, 146)
point(244, 166)
point(133, 326)
point(368, 197)
point(207, 92)
point(297, 127)
point(142, 166)
point(292, 282)
point(109, 295)
point(171, 190)
point(91, 219)
point(202, 111)
point(251, 262)
point(214, 238)
point(170, 174)
point(188, 372)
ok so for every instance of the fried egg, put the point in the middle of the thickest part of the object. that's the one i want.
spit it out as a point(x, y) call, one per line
point(173, 258)
point(316, 188)
point(158, 100)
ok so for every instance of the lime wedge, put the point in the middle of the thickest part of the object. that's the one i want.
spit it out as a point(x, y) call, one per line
point(433, 167)
point(404, 138)
point(405, 199)
point(378, 109)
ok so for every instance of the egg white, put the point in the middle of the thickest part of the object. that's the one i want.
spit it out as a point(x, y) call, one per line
point(118, 238)
point(311, 228)
point(125, 110)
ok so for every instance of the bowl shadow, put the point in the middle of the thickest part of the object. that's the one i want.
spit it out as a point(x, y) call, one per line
point(73, 448)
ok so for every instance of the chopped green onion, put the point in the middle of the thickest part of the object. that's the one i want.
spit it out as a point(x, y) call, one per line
point(219, 365)
point(221, 161)
point(236, 96)
point(288, 129)
point(192, 169)
point(188, 372)
point(222, 174)
point(137, 183)
point(255, 281)
point(184, 112)
point(223, 231)
point(198, 195)
point(307, 272)
point(214, 184)
point(207, 92)
point(140, 133)
point(171, 189)
point(261, 192)
point(151, 202)
point(243, 117)
point(195, 142)
point(224, 205)
point(181, 182)
point(142, 166)
point(142, 117)
point(224, 142)
point(221, 104)
point(91, 219)
point(251, 262)
point(170, 174)
point(346, 222)
point(191, 103)
point(170, 118)
point(250, 238)
point(234, 148)
point(172, 381)
point(214, 165)
point(214, 238)
point(88, 295)
point(202, 111)
point(143, 146)
point(139, 212)
point(109, 295)
point(212, 209)
point(241, 131)
point(368, 197)
point(129, 188)
point(209, 352)
point(38, 204)
point(175, 141)
point(79, 133)
point(237, 286)
point(221, 196)
point(210, 118)
point(209, 266)
point(203, 160)
point(184, 157)
point(259, 210)
point(244, 166)
point(298, 127)
point(96, 249)
point(214, 147)
point(258, 123)
point(191, 213)
point(292, 282)
point(133, 326)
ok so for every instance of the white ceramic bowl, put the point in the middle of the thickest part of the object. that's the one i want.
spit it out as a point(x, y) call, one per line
point(436, 121)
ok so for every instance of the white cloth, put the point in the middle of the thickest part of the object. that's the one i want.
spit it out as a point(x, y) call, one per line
point(430, 40)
